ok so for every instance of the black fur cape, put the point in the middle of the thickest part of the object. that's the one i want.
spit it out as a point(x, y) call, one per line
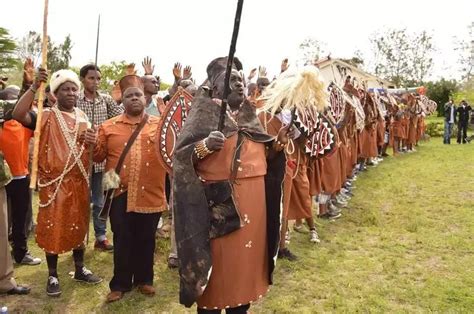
point(190, 206)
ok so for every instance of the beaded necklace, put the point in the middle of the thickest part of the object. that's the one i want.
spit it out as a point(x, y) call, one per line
point(71, 136)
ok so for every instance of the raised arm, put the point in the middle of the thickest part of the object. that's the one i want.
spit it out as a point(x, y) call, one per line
point(22, 108)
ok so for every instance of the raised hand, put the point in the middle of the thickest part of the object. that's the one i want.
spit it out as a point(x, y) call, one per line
point(177, 71)
point(252, 74)
point(284, 65)
point(130, 69)
point(262, 71)
point(148, 66)
point(42, 77)
point(215, 141)
point(187, 73)
point(28, 72)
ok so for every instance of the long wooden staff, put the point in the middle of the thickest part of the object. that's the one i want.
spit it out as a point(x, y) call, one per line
point(230, 60)
point(37, 134)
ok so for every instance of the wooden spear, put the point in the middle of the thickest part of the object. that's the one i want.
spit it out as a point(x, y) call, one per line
point(37, 133)
point(91, 148)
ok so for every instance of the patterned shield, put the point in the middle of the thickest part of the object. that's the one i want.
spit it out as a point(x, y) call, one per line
point(337, 103)
point(171, 123)
point(319, 132)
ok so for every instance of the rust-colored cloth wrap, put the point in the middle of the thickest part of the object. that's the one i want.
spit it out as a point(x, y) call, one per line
point(300, 204)
point(236, 266)
point(243, 251)
point(380, 131)
point(420, 129)
point(330, 166)
point(62, 226)
point(412, 129)
point(368, 142)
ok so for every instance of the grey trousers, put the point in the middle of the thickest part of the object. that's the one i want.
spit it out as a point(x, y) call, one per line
point(6, 264)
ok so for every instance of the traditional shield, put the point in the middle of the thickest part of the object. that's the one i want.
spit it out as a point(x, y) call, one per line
point(429, 106)
point(337, 103)
point(171, 123)
point(319, 132)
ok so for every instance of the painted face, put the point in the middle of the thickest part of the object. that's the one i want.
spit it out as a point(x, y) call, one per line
point(67, 95)
point(91, 81)
point(133, 100)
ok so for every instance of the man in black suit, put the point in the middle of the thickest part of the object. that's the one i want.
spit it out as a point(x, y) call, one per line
point(462, 113)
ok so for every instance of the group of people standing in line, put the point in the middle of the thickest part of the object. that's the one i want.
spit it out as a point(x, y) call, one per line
point(231, 194)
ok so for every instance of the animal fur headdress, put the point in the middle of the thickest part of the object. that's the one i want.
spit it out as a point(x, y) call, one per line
point(304, 90)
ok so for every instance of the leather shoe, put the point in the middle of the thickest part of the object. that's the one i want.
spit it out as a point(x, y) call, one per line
point(114, 296)
point(146, 289)
point(19, 290)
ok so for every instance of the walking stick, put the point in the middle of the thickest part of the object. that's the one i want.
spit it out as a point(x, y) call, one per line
point(37, 133)
point(91, 148)
point(230, 60)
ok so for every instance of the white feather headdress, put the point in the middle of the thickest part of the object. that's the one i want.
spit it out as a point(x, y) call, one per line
point(304, 90)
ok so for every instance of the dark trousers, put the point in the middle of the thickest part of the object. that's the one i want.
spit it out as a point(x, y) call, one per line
point(18, 192)
point(134, 246)
point(462, 132)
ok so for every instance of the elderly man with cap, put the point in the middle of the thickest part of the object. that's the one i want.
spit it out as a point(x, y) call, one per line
point(63, 178)
point(226, 221)
point(128, 145)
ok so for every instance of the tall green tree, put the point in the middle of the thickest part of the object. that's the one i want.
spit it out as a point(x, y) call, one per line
point(59, 55)
point(311, 50)
point(7, 51)
point(110, 73)
point(401, 57)
point(357, 59)
point(440, 92)
point(465, 48)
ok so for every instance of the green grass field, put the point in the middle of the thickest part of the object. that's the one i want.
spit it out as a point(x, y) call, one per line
point(405, 245)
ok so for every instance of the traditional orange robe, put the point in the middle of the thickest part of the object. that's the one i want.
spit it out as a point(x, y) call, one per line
point(240, 264)
point(62, 226)
point(412, 129)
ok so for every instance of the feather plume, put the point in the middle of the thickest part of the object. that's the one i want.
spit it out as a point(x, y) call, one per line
point(304, 90)
point(111, 180)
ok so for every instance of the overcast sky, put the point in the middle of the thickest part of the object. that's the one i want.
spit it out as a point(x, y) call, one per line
point(195, 32)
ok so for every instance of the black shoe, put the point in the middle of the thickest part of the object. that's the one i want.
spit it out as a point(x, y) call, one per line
point(173, 262)
point(52, 287)
point(86, 276)
point(30, 260)
point(286, 254)
point(19, 290)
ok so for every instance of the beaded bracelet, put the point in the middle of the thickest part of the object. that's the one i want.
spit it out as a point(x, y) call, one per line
point(201, 150)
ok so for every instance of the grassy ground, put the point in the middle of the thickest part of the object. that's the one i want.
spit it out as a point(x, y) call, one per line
point(405, 245)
